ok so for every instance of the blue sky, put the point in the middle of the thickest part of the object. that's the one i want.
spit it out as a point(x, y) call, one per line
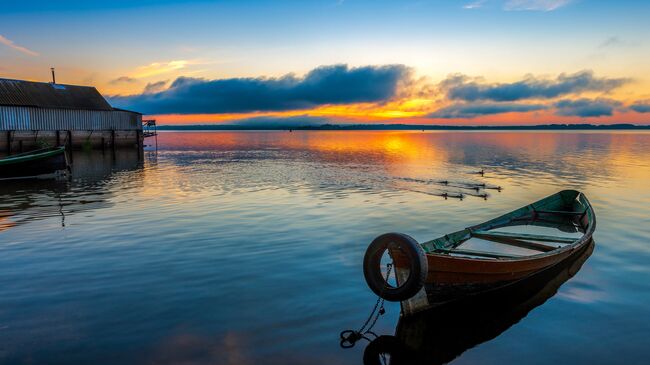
point(152, 42)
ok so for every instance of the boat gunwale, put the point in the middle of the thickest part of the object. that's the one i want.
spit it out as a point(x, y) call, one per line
point(31, 155)
point(585, 238)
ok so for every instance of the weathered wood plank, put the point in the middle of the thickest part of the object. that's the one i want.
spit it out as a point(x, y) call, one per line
point(493, 255)
point(523, 236)
point(518, 243)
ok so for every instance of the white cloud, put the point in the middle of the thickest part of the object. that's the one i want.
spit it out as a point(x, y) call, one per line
point(9, 43)
point(474, 5)
point(535, 5)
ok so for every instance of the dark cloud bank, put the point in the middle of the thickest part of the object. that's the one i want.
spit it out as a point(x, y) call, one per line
point(641, 106)
point(337, 84)
point(460, 87)
point(474, 110)
point(574, 108)
point(340, 84)
point(473, 98)
point(586, 107)
point(155, 87)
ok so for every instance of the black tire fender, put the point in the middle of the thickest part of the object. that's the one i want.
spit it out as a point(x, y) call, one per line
point(417, 265)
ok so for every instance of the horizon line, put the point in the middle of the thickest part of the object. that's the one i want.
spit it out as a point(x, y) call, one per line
point(555, 126)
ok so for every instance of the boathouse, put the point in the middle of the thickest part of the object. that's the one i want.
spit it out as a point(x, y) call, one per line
point(38, 114)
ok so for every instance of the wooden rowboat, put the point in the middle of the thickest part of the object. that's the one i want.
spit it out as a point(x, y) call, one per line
point(480, 258)
point(440, 335)
point(42, 163)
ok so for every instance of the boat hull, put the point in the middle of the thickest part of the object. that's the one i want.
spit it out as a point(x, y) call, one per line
point(452, 274)
point(450, 278)
point(47, 165)
point(440, 335)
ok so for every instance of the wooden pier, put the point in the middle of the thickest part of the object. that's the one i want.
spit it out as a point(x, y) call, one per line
point(149, 128)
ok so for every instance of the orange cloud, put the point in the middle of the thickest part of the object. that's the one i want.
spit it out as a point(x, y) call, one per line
point(158, 68)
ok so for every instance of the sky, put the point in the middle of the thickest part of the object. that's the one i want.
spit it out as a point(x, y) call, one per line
point(452, 62)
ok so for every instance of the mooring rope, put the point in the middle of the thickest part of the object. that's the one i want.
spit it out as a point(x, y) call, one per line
point(350, 337)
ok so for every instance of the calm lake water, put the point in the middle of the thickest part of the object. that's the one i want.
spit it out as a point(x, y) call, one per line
point(246, 247)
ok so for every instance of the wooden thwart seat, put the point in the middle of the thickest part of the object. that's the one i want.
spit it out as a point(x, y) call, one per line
point(460, 251)
point(522, 236)
point(519, 243)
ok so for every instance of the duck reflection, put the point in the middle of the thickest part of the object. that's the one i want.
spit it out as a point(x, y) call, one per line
point(93, 176)
point(441, 334)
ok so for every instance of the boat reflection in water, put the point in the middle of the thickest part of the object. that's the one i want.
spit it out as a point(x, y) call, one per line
point(441, 334)
point(93, 176)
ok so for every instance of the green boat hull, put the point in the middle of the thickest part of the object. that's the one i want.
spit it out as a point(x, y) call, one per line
point(39, 163)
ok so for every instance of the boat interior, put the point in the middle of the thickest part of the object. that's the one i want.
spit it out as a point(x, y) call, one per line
point(550, 224)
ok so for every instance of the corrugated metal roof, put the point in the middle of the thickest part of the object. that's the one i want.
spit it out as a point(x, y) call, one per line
point(46, 95)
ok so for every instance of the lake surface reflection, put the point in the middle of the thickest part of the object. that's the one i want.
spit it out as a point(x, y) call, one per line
point(246, 247)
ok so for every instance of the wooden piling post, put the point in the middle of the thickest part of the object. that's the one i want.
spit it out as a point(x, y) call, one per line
point(113, 145)
point(9, 142)
point(140, 137)
point(58, 138)
point(69, 144)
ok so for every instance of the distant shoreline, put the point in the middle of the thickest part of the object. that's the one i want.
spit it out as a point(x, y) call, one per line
point(401, 127)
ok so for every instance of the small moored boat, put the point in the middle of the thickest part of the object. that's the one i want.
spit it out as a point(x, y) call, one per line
point(440, 335)
point(487, 256)
point(42, 163)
